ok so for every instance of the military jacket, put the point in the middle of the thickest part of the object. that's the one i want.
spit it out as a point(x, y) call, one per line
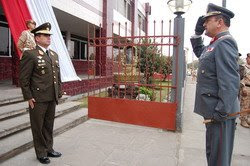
point(40, 75)
point(218, 80)
point(26, 41)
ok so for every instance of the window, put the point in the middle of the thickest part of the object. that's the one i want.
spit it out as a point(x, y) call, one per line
point(76, 49)
point(129, 12)
point(5, 39)
point(116, 52)
point(121, 7)
point(141, 21)
point(124, 8)
point(80, 49)
point(83, 49)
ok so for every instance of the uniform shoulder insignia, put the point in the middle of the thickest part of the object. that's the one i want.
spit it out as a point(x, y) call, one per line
point(51, 52)
point(225, 36)
point(40, 52)
point(210, 49)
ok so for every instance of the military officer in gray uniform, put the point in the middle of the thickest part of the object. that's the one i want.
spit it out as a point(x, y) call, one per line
point(218, 83)
point(41, 87)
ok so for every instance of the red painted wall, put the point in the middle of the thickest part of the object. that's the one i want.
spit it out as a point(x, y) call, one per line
point(71, 88)
point(80, 66)
point(78, 87)
point(5, 68)
point(145, 113)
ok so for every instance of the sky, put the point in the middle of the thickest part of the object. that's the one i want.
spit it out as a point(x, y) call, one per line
point(240, 24)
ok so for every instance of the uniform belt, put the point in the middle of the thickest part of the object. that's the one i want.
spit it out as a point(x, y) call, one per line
point(247, 85)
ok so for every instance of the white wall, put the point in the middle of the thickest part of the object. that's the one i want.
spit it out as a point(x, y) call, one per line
point(73, 8)
point(141, 7)
point(120, 18)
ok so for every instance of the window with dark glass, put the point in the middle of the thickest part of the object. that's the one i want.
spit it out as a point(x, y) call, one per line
point(83, 51)
point(80, 49)
point(144, 24)
point(5, 37)
point(129, 12)
point(76, 49)
point(141, 21)
point(4, 40)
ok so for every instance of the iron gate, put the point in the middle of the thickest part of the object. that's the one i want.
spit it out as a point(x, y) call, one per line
point(133, 75)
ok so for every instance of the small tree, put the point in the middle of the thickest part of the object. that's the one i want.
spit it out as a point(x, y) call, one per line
point(152, 61)
point(167, 62)
point(149, 59)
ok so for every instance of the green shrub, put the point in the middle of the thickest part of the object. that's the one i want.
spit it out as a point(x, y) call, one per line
point(147, 91)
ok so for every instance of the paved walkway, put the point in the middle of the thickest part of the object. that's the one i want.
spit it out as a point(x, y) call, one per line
point(103, 143)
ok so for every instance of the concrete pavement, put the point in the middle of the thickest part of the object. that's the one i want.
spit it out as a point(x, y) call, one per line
point(103, 143)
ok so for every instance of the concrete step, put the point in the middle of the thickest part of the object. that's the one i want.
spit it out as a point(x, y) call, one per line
point(11, 110)
point(22, 141)
point(17, 124)
point(11, 100)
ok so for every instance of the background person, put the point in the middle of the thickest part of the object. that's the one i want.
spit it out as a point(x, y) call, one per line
point(193, 74)
point(26, 40)
point(245, 92)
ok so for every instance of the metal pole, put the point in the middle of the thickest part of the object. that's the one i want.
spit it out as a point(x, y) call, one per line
point(178, 68)
point(224, 3)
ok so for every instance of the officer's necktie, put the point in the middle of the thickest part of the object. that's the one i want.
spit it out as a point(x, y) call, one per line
point(47, 52)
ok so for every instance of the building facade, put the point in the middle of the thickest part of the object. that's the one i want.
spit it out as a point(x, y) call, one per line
point(74, 18)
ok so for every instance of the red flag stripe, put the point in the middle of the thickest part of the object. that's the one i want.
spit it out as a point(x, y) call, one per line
point(16, 13)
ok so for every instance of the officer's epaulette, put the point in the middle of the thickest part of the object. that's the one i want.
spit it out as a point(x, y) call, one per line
point(40, 52)
point(51, 52)
point(222, 37)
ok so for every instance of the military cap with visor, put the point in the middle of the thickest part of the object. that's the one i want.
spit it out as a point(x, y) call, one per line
point(213, 10)
point(42, 29)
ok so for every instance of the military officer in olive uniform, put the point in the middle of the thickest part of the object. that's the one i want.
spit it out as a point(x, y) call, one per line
point(218, 83)
point(41, 86)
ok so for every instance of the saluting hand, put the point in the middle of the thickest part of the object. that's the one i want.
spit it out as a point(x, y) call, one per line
point(32, 103)
point(199, 28)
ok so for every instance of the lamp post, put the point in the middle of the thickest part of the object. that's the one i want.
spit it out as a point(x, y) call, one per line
point(224, 3)
point(178, 7)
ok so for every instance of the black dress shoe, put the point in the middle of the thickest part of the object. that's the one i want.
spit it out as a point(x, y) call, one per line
point(54, 154)
point(44, 160)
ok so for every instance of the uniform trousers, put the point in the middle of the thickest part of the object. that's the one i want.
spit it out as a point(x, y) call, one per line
point(42, 123)
point(219, 142)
